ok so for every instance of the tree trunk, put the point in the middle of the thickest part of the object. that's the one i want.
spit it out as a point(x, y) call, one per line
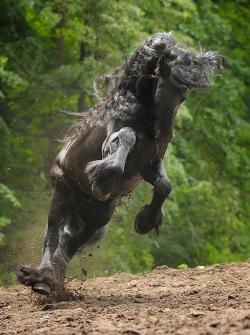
point(81, 100)
point(60, 41)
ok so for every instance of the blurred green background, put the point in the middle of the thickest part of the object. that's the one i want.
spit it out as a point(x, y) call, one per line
point(50, 53)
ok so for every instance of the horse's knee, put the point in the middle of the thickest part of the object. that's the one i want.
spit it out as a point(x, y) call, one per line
point(103, 169)
point(103, 176)
point(127, 136)
point(163, 187)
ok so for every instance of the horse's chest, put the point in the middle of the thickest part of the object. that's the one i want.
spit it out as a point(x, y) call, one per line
point(154, 151)
point(146, 151)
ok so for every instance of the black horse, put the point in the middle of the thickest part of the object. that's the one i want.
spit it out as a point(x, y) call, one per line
point(119, 143)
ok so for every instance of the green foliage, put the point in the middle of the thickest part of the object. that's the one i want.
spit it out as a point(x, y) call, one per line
point(50, 54)
point(7, 199)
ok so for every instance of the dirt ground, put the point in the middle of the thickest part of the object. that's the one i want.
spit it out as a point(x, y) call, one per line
point(205, 301)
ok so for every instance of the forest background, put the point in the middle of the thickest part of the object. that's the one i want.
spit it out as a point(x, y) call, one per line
point(51, 51)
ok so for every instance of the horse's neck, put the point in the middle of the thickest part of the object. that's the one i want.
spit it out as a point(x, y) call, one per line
point(165, 111)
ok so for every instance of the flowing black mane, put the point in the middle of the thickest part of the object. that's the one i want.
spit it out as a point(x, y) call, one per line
point(192, 69)
point(118, 89)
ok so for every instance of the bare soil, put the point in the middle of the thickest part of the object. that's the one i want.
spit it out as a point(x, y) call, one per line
point(204, 301)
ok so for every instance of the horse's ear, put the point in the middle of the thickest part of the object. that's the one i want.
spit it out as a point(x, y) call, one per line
point(163, 69)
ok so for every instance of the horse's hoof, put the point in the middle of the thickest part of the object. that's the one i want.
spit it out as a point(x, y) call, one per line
point(138, 229)
point(42, 288)
point(41, 280)
point(146, 220)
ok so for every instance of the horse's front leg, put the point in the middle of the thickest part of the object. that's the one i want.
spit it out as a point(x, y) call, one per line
point(105, 174)
point(150, 216)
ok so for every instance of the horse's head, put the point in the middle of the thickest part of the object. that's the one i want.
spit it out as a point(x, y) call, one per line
point(178, 70)
point(161, 64)
point(188, 70)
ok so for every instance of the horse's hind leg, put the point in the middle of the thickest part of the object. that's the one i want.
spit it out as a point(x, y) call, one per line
point(42, 277)
point(105, 174)
point(86, 227)
point(73, 239)
point(150, 216)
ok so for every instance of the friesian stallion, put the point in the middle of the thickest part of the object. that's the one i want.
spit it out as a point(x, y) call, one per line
point(117, 144)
